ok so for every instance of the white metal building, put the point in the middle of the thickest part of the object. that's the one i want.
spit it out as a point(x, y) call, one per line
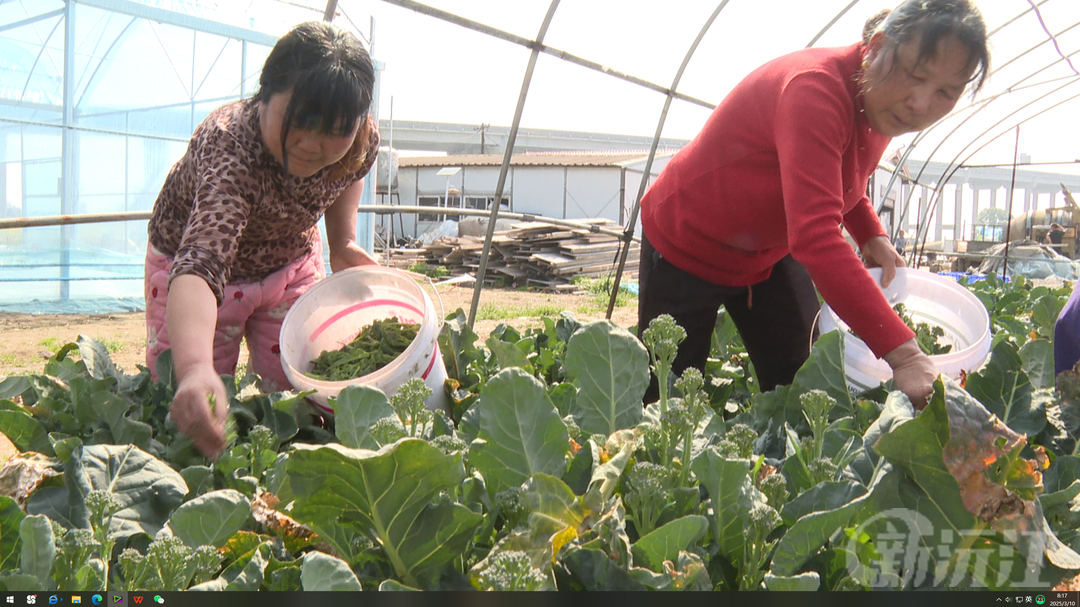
point(574, 185)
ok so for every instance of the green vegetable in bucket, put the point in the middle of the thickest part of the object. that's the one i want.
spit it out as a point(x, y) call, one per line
point(926, 335)
point(376, 346)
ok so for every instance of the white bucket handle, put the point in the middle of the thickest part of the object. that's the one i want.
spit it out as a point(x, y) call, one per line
point(425, 278)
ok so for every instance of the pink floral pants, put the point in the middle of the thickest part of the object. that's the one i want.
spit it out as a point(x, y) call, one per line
point(253, 311)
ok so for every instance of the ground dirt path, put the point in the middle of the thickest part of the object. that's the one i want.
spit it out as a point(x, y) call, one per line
point(27, 340)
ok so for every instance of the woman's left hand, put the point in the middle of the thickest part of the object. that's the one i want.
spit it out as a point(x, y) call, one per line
point(350, 256)
point(878, 252)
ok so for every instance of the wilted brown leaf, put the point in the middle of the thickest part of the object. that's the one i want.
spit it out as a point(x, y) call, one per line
point(23, 473)
point(765, 472)
point(978, 440)
point(295, 535)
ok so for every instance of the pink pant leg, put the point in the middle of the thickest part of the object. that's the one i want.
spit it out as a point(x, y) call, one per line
point(232, 315)
point(263, 331)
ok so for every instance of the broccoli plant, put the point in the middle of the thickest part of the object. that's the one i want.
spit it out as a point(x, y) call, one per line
point(102, 505)
point(245, 465)
point(694, 402)
point(774, 487)
point(510, 570)
point(763, 519)
point(647, 495)
point(662, 338)
point(409, 406)
point(817, 406)
point(738, 442)
point(77, 566)
point(387, 430)
point(168, 565)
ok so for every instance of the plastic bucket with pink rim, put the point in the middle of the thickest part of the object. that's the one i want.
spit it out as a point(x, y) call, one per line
point(331, 313)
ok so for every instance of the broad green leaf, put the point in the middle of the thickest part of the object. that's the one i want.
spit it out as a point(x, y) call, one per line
point(387, 494)
point(579, 474)
point(277, 418)
point(803, 582)
point(15, 385)
point(11, 516)
point(1060, 498)
point(1044, 313)
point(199, 479)
point(247, 574)
point(112, 409)
point(839, 569)
point(731, 491)
point(927, 496)
point(284, 579)
point(25, 432)
point(14, 580)
point(665, 543)
point(594, 570)
point(824, 370)
point(551, 505)
point(322, 572)
point(1063, 472)
point(395, 586)
point(96, 357)
point(562, 396)
point(508, 355)
point(1037, 357)
point(210, 519)
point(457, 342)
point(521, 433)
point(610, 367)
point(809, 533)
point(820, 498)
point(356, 410)
point(606, 477)
point(64, 445)
point(687, 572)
point(1004, 388)
point(38, 547)
point(917, 448)
point(147, 489)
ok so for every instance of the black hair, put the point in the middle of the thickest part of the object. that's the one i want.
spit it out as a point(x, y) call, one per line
point(332, 79)
point(873, 23)
point(933, 20)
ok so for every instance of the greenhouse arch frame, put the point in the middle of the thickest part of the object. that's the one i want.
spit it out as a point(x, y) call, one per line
point(59, 107)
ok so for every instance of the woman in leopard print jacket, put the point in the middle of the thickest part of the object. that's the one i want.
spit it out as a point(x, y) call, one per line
point(234, 239)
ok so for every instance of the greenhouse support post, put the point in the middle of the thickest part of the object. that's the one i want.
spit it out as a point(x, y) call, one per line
point(647, 173)
point(497, 202)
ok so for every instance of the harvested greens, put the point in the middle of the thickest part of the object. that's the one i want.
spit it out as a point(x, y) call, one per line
point(373, 348)
point(926, 335)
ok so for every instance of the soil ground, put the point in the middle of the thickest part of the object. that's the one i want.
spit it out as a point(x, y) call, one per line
point(29, 339)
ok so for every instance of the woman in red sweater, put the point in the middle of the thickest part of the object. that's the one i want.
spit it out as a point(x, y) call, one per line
point(749, 214)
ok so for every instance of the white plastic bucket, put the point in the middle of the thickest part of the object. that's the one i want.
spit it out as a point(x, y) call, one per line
point(927, 298)
point(331, 314)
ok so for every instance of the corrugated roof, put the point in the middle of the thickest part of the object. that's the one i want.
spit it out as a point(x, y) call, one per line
point(584, 158)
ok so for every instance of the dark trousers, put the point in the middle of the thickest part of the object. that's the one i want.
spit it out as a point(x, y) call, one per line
point(776, 318)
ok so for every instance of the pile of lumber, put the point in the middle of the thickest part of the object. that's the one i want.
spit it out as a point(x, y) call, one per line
point(530, 254)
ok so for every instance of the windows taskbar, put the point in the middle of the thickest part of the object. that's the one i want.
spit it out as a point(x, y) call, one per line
point(1024, 598)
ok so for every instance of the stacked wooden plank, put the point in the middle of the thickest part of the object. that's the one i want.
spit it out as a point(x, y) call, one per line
point(532, 254)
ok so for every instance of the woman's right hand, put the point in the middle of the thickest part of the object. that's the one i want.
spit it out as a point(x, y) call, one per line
point(193, 413)
point(913, 372)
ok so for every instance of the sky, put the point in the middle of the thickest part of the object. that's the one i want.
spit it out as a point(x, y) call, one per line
point(438, 71)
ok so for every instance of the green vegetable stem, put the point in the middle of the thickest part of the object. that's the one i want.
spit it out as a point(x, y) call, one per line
point(376, 346)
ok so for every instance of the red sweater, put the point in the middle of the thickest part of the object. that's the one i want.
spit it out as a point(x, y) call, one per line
point(779, 167)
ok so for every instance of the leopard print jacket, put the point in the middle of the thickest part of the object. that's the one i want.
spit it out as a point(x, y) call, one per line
point(228, 213)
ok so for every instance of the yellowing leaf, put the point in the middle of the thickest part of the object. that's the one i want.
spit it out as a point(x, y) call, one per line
point(561, 539)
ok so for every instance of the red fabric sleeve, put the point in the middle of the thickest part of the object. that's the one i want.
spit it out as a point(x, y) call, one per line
point(813, 127)
point(863, 223)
